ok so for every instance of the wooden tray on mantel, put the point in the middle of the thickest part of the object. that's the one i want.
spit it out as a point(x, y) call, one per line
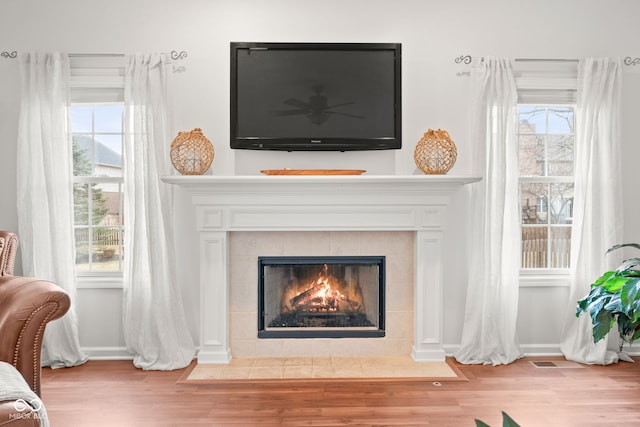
point(313, 171)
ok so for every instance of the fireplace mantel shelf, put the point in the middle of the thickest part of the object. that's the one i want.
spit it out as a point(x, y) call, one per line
point(371, 202)
point(226, 204)
point(257, 182)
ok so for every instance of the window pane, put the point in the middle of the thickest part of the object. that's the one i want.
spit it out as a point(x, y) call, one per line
point(560, 155)
point(531, 161)
point(81, 119)
point(98, 249)
point(82, 155)
point(108, 118)
point(108, 155)
point(106, 249)
point(532, 119)
point(534, 247)
point(561, 207)
point(82, 248)
point(560, 247)
point(534, 203)
point(110, 204)
point(81, 204)
point(560, 120)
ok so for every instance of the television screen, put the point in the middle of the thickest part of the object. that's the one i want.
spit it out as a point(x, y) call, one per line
point(316, 96)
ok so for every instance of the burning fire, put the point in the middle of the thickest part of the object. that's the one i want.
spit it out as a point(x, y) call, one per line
point(322, 295)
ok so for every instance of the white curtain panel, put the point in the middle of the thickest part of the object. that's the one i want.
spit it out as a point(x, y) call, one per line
point(597, 209)
point(154, 322)
point(489, 331)
point(45, 193)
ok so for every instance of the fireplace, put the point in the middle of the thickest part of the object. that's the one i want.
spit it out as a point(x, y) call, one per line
point(229, 206)
point(321, 297)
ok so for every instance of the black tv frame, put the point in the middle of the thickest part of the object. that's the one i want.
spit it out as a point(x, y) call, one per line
point(311, 143)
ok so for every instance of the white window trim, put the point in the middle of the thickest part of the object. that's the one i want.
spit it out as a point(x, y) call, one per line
point(542, 278)
point(98, 80)
point(103, 281)
point(547, 277)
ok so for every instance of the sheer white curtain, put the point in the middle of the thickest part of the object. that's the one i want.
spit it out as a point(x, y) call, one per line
point(45, 193)
point(154, 322)
point(597, 208)
point(489, 331)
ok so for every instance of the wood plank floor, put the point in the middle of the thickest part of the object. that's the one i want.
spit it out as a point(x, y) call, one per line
point(114, 393)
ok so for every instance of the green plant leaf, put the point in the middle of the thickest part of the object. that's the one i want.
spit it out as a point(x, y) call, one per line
point(507, 421)
point(614, 304)
point(606, 276)
point(630, 298)
point(602, 324)
point(625, 327)
point(615, 296)
point(614, 283)
point(627, 265)
point(594, 302)
point(636, 335)
point(481, 424)
point(613, 248)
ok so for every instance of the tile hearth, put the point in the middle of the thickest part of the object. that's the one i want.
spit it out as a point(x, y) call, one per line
point(323, 368)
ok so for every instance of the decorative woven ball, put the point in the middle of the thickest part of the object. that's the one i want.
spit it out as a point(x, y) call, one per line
point(191, 152)
point(435, 153)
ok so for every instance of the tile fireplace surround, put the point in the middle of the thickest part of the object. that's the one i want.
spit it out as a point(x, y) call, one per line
point(268, 208)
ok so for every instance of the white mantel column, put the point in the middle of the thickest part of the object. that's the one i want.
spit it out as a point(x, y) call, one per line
point(214, 297)
point(428, 300)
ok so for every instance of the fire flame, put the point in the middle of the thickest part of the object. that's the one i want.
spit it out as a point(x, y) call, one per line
point(322, 295)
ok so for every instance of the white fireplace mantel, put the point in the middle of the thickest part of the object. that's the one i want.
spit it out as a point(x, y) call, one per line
point(320, 203)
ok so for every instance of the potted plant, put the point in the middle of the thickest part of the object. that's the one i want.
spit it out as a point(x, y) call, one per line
point(615, 297)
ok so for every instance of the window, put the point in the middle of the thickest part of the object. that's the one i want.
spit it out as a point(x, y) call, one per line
point(546, 135)
point(545, 130)
point(97, 137)
point(96, 124)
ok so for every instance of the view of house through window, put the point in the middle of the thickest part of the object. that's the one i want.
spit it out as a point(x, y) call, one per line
point(97, 136)
point(546, 146)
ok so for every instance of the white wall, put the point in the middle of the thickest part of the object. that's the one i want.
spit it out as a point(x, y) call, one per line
point(432, 33)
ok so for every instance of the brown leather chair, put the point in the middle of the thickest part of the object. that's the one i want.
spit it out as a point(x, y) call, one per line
point(8, 248)
point(27, 304)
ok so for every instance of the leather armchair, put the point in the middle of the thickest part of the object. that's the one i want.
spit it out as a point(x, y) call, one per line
point(8, 248)
point(27, 305)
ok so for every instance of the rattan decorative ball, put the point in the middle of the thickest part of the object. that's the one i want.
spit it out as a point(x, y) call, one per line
point(435, 153)
point(191, 152)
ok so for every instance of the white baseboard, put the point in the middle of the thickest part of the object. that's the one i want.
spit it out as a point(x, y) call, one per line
point(107, 353)
point(541, 350)
point(529, 350)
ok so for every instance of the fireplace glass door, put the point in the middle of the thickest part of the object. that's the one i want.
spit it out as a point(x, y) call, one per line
point(323, 297)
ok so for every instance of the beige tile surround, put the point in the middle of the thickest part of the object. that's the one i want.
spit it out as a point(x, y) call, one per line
point(244, 249)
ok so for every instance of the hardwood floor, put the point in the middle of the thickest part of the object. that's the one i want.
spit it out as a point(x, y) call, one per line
point(114, 393)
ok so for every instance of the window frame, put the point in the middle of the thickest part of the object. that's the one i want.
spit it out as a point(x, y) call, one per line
point(98, 80)
point(543, 277)
point(548, 82)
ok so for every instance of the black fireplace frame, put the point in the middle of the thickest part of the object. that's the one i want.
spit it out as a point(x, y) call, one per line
point(328, 332)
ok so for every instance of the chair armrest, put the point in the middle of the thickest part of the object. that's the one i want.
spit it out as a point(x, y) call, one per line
point(8, 248)
point(27, 304)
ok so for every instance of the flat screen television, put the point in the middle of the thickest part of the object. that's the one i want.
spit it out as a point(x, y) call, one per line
point(316, 96)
